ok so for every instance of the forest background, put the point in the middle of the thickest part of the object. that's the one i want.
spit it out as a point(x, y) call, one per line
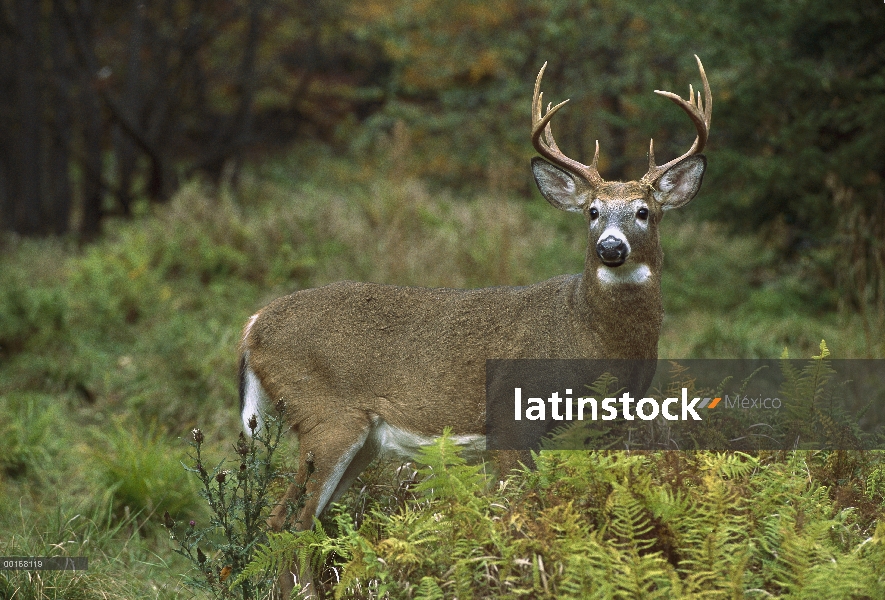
point(168, 167)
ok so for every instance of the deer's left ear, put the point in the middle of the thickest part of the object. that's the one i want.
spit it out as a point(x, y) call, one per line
point(681, 182)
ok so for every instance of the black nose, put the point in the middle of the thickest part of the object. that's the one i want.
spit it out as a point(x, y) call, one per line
point(612, 251)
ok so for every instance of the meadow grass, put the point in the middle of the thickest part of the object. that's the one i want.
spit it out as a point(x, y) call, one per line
point(111, 353)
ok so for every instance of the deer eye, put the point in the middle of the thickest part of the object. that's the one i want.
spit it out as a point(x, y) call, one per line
point(594, 214)
point(642, 214)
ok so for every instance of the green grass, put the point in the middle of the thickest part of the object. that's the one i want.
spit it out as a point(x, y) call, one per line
point(111, 353)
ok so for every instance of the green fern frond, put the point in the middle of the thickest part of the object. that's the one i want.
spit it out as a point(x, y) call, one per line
point(308, 548)
point(735, 465)
point(270, 557)
point(630, 522)
point(428, 590)
point(445, 472)
point(604, 386)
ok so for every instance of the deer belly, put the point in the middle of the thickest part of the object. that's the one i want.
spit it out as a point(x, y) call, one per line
point(393, 441)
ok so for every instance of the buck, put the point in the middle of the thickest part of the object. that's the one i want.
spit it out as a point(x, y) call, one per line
point(365, 369)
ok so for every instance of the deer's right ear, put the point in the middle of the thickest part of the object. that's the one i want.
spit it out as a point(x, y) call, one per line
point(557, 186)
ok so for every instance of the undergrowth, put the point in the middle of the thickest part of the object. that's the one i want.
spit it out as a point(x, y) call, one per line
point(607, 525)
point(112, 352)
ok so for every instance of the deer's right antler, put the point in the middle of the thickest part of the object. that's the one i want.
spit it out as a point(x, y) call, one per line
point(699, 112)
point(542, 138)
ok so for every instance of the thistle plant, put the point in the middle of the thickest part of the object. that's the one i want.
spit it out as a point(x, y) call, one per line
point(239, 503)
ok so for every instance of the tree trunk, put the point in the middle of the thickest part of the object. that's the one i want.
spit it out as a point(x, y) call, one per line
point(27, 215)
point(92, 171)
point(7, 131)
point(59, 171)
point(124, 148)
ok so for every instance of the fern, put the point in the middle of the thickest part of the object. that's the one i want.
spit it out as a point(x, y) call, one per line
point(810, 408)
point(270, 557)
point(447, 476)
point(874, 485)
point(615, 525)
point(428, 590)
point(640, 572)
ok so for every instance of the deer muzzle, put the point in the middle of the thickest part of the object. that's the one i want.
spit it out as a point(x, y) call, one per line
point(612, 251)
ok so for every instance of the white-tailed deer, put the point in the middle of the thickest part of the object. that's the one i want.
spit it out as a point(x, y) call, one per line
point(366, 368)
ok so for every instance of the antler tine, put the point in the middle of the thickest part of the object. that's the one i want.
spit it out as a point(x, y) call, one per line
point(699, 111)
point(545, 144)
point(548, 134)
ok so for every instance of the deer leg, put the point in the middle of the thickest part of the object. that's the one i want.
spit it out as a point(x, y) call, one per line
point(332, 450)
point(360, 461)
point(508, 460)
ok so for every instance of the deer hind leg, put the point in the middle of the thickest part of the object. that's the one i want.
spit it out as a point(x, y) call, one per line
point(336, 451)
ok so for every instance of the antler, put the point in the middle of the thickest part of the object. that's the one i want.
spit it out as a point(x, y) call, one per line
point(700, 114)
point(542, 138)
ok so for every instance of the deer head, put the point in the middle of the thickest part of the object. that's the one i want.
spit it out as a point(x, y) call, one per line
point(622, 218)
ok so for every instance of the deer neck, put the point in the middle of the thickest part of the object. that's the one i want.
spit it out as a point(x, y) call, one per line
point(622, 307)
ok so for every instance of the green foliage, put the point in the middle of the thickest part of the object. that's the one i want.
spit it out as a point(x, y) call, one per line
point(27, 310)
point(613, 525)
point(26, 432)
point(607, 525)
point(138, 473)
point(874, 485)
point(281, 549)
point(708, 271)
point(34, 310)
point(428, 590)
point(445, 474)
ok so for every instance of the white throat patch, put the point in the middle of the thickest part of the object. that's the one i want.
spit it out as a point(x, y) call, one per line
point(624, 274)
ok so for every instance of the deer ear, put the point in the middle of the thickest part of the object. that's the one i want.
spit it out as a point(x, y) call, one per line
point(681, 182)
point(558, 187)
